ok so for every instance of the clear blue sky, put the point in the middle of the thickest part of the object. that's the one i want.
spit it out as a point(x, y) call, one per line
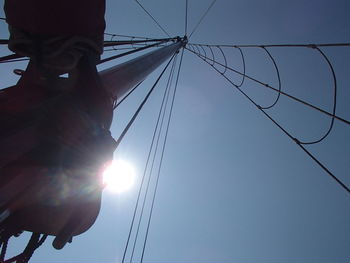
point(233, 188)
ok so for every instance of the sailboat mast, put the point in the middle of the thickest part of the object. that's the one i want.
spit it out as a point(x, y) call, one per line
point(120, 79)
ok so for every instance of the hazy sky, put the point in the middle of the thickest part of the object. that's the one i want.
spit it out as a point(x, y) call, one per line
point(233, 188)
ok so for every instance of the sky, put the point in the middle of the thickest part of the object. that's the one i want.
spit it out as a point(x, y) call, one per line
point(233, 187)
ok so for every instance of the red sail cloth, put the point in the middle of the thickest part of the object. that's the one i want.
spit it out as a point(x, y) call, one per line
point(62, 17)
point(52, 144)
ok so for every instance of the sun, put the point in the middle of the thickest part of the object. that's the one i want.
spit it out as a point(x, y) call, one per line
point(119, 176)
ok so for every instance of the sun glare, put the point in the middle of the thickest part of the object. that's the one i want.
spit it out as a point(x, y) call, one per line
point(119, 176)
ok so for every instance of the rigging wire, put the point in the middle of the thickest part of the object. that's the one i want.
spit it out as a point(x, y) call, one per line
point(144, 174)
point(125, 36)
point(333, 114)
point(14, 60)
point(279, 90)
point(162, 156)
point(285, 45)
point(132, 47)
point(107, 43)
point(119, 49)
point(223, 54)
point(334, 99)
point(212, 53)
point(126, 129)
point(130, 52)
point(203, 16)
point(126, 96)
point(274, 89)
point(135, 46)
point(244, 67)
point(161, 115)
point(10, 58)
point(303, 45)
point(205, 53)
point(160, 42)
point(186, 18)
point(345, 187)
point(152, 18)
point(278, 77)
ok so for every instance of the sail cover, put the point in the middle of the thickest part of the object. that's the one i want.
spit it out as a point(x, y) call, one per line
point(63, 17)
point(50, 183)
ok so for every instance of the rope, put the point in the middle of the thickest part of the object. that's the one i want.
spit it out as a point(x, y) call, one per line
point(346, 188)
point(34, 242)
point(152, 18)
point(6, 232)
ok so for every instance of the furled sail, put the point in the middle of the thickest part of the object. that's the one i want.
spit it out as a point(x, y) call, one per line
point(55, 138)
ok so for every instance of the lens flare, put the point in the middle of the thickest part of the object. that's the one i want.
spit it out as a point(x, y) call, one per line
point(119, 176)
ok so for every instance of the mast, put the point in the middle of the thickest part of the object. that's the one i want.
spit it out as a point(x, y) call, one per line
point(118, 80)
